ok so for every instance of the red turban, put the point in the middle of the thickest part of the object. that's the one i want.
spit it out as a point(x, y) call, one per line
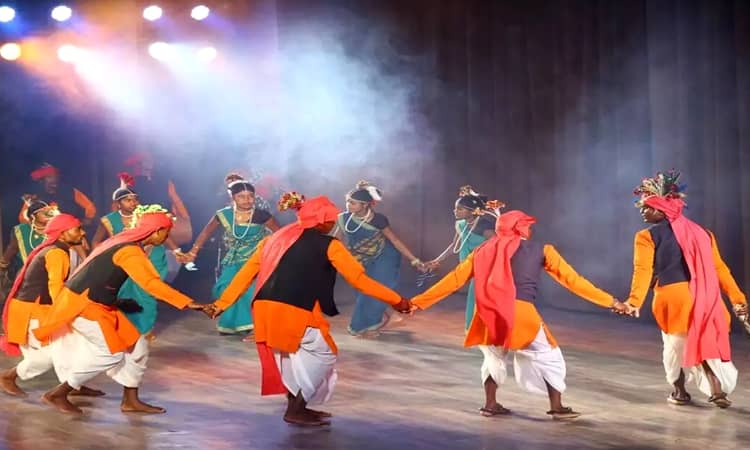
point(52, 231)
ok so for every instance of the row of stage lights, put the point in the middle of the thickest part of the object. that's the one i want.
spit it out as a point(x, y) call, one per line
point(61, 13)
point(11, 51)
point(68, 53)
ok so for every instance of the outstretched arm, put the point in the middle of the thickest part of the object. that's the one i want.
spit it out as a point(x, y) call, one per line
point(562, 272)
point(402, 248)
point(354, 273)
point(139, 268)
point(643, 268)
point(449, 284)
point(242, 280)
point(206, 233)
point(271, 224)
point(89, 209)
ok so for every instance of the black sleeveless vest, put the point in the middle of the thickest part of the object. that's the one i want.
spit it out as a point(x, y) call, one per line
point(526, 265)
point(669, 264)
point(35, 280)
point(304, 275)
point(101, 277)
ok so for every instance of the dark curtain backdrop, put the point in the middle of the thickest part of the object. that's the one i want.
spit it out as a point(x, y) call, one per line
point(561, 107)
point(556, 107)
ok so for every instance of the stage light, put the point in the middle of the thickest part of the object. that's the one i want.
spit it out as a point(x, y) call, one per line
point(10, 51)
point(152, 13)
point(68, 53)
point(207, 54)
point(200, 12)
point(61, 13)
point(7, 14)
point(160, 50)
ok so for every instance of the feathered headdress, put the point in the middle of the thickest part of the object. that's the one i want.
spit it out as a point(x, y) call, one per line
point(126, 187)
point(291, 200)
point(662, 185)
point(469, 199)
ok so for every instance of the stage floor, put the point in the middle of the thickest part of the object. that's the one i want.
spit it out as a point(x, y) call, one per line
point(413, 387)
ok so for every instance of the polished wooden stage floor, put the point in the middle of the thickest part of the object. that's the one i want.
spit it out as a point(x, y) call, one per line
point(413, 387)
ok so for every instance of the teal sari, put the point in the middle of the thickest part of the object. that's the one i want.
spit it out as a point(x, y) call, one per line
point(470, 242)
point(240, 242)
point(143, 320)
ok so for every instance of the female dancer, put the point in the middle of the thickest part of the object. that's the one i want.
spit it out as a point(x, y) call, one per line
point(369, 237)
point(244, 227)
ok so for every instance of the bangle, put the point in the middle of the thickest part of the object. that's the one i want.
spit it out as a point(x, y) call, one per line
point(415, 262)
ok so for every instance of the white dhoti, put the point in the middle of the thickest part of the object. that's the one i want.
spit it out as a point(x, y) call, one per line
point(37, 358)
point(674, 347)
point(82, 354)
point(534, 366)
point(311, 369)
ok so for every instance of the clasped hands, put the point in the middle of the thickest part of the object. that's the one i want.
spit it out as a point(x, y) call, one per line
point(625, 309)
point(208, 309)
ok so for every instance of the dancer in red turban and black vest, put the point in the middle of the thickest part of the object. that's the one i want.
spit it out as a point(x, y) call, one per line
point(38, 283)
point(681, 261)
point(506, 269)
point(89, 320)
point(296, 271)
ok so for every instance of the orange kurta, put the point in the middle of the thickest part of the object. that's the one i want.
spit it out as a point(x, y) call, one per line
point(119, 333)
point(673, 303)
point(280, 325)
point(57, 263)
point(526, 319)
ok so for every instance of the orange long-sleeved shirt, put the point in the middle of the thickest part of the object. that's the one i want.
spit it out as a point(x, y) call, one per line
point(554, 264)
point(644, 250)
point(343, 261)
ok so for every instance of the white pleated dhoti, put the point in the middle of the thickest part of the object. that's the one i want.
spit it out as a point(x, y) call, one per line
point(37, 358)
point(534, 366)
point(82, 354)
point(674, 347)
point(311, 369)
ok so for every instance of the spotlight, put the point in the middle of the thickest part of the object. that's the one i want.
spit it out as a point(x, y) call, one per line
point(152, 13)
point(68, 53)
point(7, 14)
point(10, 51)
point(61, 13)
point(200, 12)
point(206, 54)
point(160, 50)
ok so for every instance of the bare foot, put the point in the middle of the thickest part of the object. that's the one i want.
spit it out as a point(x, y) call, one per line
point(306, 419)
point(8, 384)
point(150, 337)
point(87, 392)
point(138, 406)
point(61, 404)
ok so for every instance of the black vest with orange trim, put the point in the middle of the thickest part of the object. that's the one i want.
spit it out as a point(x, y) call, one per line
point(35, 280)
point(669, 263)
point(304, 275)
point(102, 277)
point(526, 265)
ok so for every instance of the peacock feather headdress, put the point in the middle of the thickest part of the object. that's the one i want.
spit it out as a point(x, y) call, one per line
point(664, 184)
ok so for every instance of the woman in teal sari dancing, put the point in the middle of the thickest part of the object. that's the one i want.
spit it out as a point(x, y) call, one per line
point(244, 227)
point(125, 201)
point(473, 227)
point(369, 237)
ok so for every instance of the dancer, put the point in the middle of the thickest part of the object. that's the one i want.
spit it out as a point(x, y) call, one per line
point(296, 272)
point(507, 270)
point(126, 201)
point(689, 274)
point(38, 283)
point(244, 227)
point(68, 200)
point(29, 234)
point(91, 334)
point(370, 238)
point(474, 225)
